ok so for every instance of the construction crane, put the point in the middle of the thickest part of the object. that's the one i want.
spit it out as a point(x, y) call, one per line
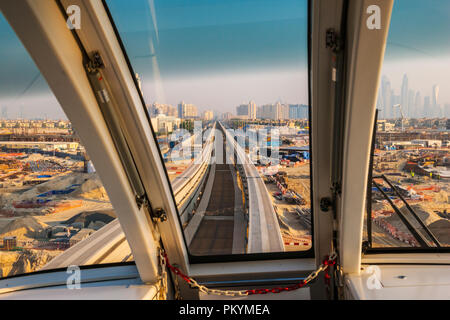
point(401, 112)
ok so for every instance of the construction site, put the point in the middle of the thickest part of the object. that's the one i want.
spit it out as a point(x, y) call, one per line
point(410, 191)
point(47, 205)
point(288, 184)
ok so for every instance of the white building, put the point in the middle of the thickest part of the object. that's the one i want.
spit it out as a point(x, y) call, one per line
point(165, 124)
point(208, 115)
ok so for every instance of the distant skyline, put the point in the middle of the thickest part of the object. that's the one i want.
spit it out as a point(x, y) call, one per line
point(393, 102)
point(218, 55)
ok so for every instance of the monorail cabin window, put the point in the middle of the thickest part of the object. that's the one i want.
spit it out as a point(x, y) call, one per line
point(226, 88)
point(409, 191)
point(51, 197)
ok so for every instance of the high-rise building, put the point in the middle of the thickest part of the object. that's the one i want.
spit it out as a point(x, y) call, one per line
point(395, 99)
point(270, 111)
point(435, 109)
point(386, 97)
point(411, 109)
point(242, 110)
point(227, 116)
point(447, 111)
point(248, 110)
point(404, 95)
point(298, 111)
point(166, 109)
point(284, 111)
point(186, 110)
point(208, 115)
point(418, 105)
point(435, 95)
point(379, 104)
point(427, 112)
point(4, 112)
point(252, 110)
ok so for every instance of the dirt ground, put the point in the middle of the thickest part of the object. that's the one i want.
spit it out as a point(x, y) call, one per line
point(295, 235)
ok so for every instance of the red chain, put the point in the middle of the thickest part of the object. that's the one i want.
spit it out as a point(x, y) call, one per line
point(327, 262)
point(175, 270)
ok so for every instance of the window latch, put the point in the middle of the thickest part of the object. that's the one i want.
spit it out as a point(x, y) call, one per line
point(332, 40)
point(95, 63)
point(325, 204)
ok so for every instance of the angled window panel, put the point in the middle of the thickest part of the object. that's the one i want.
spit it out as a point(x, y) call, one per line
point(55, 211)
point(195, 72)
point(411, 140)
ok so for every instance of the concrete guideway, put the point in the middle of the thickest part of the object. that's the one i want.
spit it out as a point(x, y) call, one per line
point(219, 220)
point(264, 230)
point(188, 184)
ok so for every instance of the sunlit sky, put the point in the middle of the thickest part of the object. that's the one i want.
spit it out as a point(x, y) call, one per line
point(218, 54)
point(419, 45)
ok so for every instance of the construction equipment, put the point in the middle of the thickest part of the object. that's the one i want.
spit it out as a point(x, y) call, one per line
point(401, 112)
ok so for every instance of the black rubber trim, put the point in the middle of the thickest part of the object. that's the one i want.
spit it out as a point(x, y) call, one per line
point(85, 267)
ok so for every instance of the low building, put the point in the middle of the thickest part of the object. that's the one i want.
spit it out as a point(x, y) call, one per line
point(428, 143)
point(165, 124)
point(9, 243)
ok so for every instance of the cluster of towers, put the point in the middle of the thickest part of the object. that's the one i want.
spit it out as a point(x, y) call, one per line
point(412, 104)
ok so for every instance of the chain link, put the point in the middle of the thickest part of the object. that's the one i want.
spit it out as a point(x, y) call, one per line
point(162, 292)
point(329, 261)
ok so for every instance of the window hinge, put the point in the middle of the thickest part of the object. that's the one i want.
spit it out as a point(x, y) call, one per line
point(142, 200)
point(325, 204)
point(95, 63)
point(332, 40)
point(157, 214)
point(336, 188)
point(365, 246)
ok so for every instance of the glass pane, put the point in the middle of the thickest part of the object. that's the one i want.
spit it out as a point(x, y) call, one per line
point(216, 72)
point(413, 128)
point(51, 197)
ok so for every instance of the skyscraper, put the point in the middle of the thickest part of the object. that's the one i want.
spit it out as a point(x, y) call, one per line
point(411, 109)
point(252, 110)
point(242, 110)
point(248, 110)
point(4, 112)
point(435, 109)
point(404, 95)
point(418, 105)
point(298, 111)
point(427, 112)
point(386, 98)
point(435, 95)
point(186, 110)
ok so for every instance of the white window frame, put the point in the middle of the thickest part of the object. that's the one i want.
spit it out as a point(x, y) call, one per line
point(59, 60)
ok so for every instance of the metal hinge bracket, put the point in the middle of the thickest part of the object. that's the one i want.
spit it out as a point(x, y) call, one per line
point(332, 40)
point(336, 188)
point(157, 214)
point(325, 204)
point(95, 63)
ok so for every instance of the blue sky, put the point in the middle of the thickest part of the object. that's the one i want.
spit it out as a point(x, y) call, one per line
point(218, 54)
